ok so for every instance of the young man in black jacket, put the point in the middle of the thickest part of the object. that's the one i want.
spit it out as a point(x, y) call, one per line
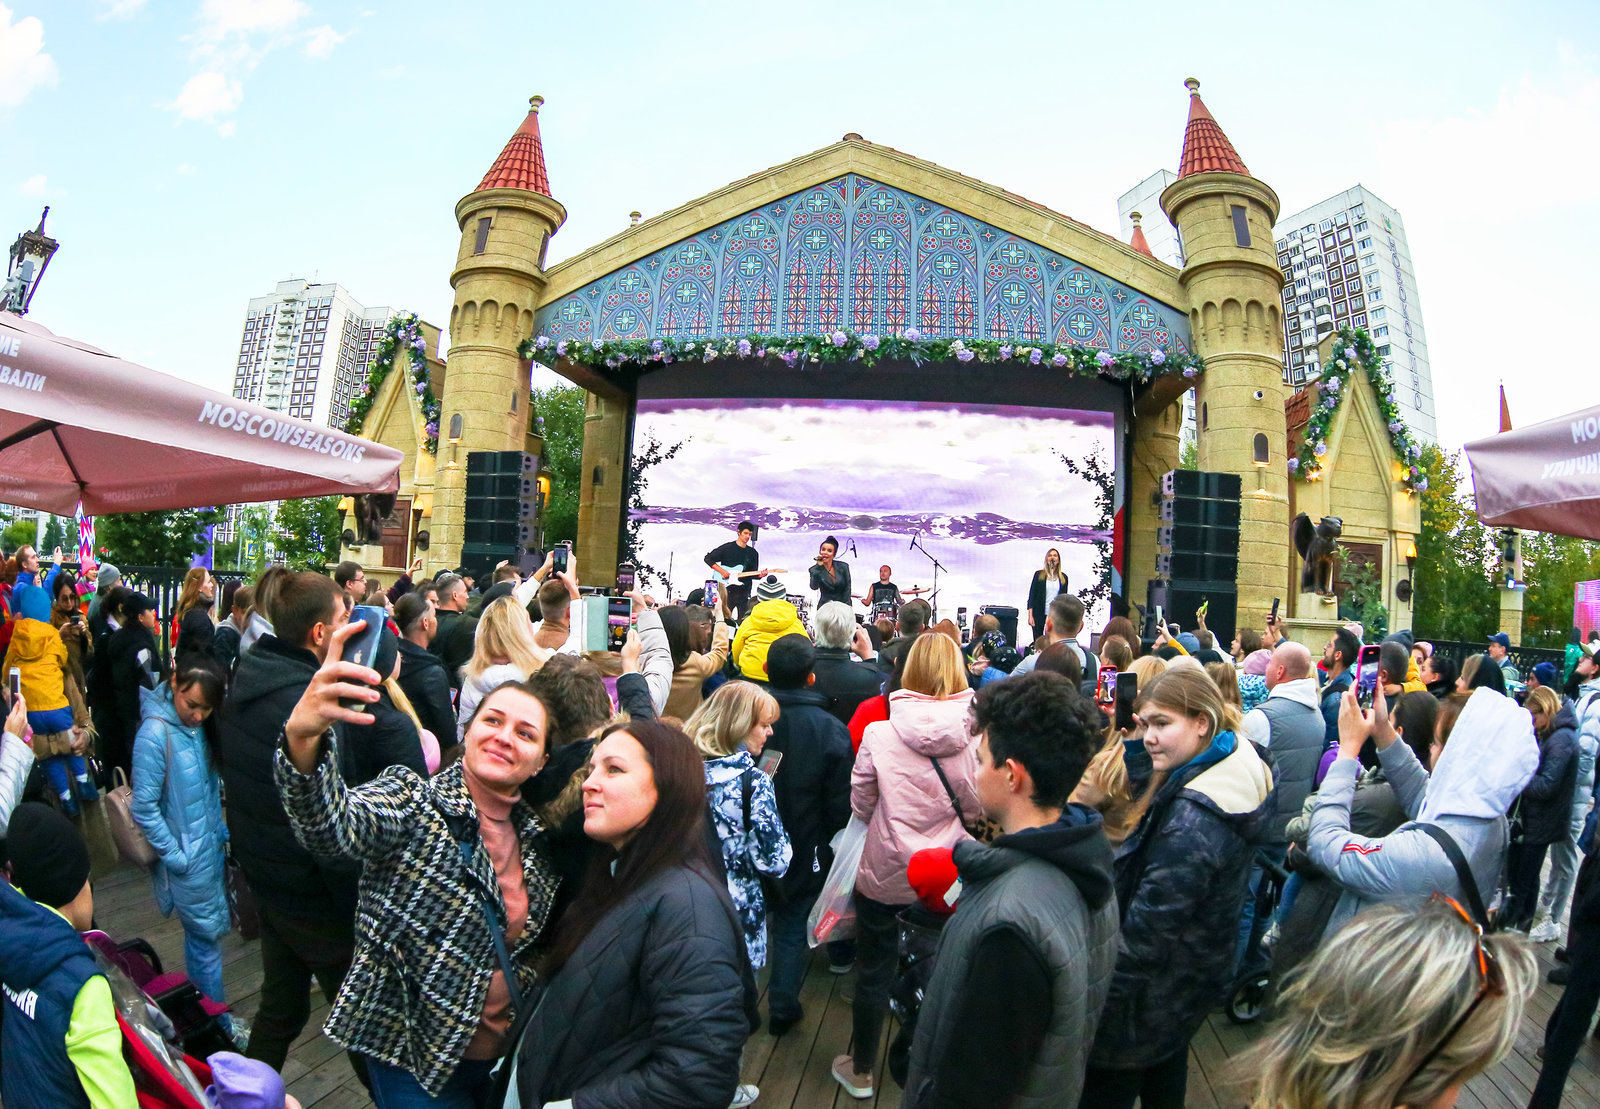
point(452, 641)
point(307, 902)
point(1025, 963)
point(422, 675)
point(132, 662)
point(812, 782)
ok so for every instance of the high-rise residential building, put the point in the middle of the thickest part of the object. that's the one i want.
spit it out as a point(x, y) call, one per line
point(1346, 263)
point(1144, 199)
point(306, 349)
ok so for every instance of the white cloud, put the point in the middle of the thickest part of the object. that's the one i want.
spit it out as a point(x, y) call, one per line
point(24, 66)
point(206, 96)
point(119, 9)
point(185, 169)
point(220, 19)
point(322, 41)
point(33, 186)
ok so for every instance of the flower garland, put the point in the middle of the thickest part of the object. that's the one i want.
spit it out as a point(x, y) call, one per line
point(867, 349)
point(403, 333)
point(1354, 349)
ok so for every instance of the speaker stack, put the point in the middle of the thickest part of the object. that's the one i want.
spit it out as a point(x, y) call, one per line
point(1198, 551)
point(502, 509)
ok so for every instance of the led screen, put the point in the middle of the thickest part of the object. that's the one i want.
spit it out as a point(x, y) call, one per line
point(983, 488)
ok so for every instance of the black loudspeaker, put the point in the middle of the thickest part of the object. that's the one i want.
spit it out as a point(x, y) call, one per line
point(1211, 514)
point(1180, 597)
point(501, 506)
point(1202, 485)
point(1198, 537)
point(1007, 615)
point(1197, 566)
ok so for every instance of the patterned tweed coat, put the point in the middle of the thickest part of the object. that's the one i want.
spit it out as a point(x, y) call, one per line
point(424, 956)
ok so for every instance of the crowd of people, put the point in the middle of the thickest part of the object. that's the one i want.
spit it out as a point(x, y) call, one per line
point(524, 874)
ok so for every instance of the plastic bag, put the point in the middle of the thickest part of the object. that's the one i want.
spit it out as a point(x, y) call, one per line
point(833, 917)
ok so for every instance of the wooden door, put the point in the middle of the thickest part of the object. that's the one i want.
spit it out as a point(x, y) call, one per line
point(397, 534)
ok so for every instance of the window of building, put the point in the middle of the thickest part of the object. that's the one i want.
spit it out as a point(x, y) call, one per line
point(1327, 225)
point(1241, 226)
point(1383, 351)
point(1360, 227)
point(1344, 234)
point(1365, 244)
point(1374, 294)
point(481, 242)
point(1329, 242)
point(1380, 313)
point(1359, 321)
point(1347, 251)
point(1380, 332)
point(1359, 210)
point(1368, 260)
point(1355, 284)
point(1351, 270)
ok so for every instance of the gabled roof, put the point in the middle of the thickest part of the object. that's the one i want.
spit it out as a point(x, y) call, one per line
point(521, 163)
point(1138, 241)
point(1205, 148)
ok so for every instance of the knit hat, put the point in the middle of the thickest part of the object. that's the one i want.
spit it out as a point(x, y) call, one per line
point(240, 1083)
point(133, 605)
point(770, 589)
point(1255, 662)
point(48, 858)
point(1546, 673)
point(107, 576)
point(32, 603)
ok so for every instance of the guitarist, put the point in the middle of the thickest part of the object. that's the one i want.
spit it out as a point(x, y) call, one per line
point(736, 563)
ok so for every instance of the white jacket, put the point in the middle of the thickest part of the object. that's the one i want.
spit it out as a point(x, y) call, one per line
point(16, 760)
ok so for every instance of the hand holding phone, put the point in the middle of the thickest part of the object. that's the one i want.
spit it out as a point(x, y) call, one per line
point(362, 647)
point(14, 682)
point(1105, 689)
point(558, 558)
point(1127, 694)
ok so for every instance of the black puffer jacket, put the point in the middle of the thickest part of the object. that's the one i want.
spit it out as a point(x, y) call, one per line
point(132, 661)
point(270, 679)
point(812, 783)
point(650, 1010)
point(1181, 880)
point(1546, 803)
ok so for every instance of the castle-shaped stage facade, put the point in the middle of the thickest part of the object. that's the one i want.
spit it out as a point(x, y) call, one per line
point(862, 238)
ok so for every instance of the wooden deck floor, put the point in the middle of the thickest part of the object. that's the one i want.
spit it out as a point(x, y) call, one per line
point(792, 1071)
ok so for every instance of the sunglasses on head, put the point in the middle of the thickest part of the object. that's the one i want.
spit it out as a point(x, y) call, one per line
point(1490, 984)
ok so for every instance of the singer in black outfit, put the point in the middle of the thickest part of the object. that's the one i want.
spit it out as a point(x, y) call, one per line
point(830, 579)
point(737, 556)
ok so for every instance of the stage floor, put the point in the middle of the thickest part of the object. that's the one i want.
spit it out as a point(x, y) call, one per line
point(792, 1071)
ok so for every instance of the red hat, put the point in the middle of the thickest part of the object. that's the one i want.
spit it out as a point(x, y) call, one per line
point(931, 872)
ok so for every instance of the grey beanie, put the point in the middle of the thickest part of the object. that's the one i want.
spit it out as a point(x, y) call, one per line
point(107, 576)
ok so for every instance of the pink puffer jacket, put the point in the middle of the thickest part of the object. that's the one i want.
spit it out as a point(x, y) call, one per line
point(896, 790)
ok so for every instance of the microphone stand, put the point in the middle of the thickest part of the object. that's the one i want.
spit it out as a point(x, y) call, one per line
point(916, 544)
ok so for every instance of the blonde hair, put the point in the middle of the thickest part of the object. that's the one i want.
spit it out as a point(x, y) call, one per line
point(1043, 572)
point(189, 596)
point(1109, 773)
point(934, 667)
point(723, 720)
point(1227, 679)
point(1146, 667)
point(1189, 690)
point(1351, 1039)
point(1468, 669)
point(504, 633)
point(1544, 700)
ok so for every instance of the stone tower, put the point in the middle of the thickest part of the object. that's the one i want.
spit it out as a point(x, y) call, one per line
point(506, 224)
point(1225, 218)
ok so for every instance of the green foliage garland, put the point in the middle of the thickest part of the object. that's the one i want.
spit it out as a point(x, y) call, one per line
point(402, 333)
point(1353, 349)
point(851, 346)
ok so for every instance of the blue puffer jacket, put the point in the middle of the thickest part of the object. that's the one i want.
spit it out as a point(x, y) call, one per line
point(178, 806)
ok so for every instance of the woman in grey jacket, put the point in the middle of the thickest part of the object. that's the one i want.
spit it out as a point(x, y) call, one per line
point(446, 858)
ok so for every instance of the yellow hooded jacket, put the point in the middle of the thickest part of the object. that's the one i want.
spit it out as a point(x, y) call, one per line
point(36, 649)
point(767, 622)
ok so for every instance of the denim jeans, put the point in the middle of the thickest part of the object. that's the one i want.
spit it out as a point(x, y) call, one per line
point(397, 1088)
point(788, 955)
point(1247, 953)
point(1563, 865)
point(202, 963)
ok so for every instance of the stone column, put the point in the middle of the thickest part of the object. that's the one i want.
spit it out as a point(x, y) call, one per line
point(602, 487)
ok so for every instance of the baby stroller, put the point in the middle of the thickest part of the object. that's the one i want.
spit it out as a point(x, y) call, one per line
point(194, 1020)
point(1254, 981)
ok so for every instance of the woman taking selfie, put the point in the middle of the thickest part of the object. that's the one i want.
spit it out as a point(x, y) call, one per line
point(1181, 880)
point(428, 999)
point(649, 999)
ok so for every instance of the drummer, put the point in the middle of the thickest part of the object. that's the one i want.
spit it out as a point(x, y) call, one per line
point(883, 592)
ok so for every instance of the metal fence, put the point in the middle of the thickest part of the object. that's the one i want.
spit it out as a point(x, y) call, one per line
point(163, 584)
point(1523, 658)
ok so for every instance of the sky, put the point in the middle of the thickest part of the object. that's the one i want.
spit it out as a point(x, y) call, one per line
point(980, 486)
point(196, 152)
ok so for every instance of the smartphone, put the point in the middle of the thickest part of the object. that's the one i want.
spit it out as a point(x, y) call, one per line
point(626, 576)
point(558, 558)
point(362, 648)
point(16, 682)
point(619, 618)
point(1273, 619)
point(1127, 694)
point(1105, 690)
point(768, 762)
point(1161, 619)
point(1366, 683)
point(712, 596)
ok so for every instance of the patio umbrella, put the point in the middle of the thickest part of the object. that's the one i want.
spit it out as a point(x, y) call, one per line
point(1542, 478)
point(77, 424)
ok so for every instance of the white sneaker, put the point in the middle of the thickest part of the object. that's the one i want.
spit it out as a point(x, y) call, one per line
point(1545, 931)
point(744, 1095)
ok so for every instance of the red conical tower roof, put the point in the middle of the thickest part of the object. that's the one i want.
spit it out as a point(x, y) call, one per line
point(521, 163)
point(1138, 242)
point(1205, 148)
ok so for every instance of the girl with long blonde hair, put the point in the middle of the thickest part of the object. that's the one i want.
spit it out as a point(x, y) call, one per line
point(1106, 785)
point(503, 651)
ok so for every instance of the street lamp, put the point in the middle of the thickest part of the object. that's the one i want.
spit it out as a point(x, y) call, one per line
point(30, 256)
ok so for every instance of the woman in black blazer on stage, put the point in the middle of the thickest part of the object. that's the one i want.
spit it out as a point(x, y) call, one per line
point(1046, 584)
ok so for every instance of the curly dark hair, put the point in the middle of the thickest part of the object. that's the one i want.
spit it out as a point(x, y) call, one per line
point(1042, 722)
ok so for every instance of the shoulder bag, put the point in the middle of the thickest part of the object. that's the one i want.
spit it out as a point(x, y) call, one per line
point(1469, 884)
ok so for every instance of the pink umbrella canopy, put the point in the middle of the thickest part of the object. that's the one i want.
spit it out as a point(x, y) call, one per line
point(1545, 477)
point(77, 424)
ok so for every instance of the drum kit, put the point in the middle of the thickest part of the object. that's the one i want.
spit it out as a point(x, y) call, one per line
point(890, 610)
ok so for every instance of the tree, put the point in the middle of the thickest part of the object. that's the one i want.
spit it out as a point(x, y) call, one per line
point(18, 533)
point(654, 453)
point(560, 408)
point(1552, 565)
point(1454, 596)
point(1363, 597)
point(55, 535)
point(306, 533)
point(1094, 470)
point(253, 521)
point(170, 539)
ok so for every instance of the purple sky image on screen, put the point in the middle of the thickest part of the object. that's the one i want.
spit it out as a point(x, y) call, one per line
point(981, 483)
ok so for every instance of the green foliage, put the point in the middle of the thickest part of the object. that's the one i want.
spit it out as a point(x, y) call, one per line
point(644, 460)
point(254, 521)
point(17, 533)
point(1552, 565)
point(561, 409)
point(1354, 350)
point(1363, 598)
point(1097, 472)
point(169, 539)
point(306, 533)
point(1189, 455)
point(401, 336)
point(1455, 595)
point(55, 535)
